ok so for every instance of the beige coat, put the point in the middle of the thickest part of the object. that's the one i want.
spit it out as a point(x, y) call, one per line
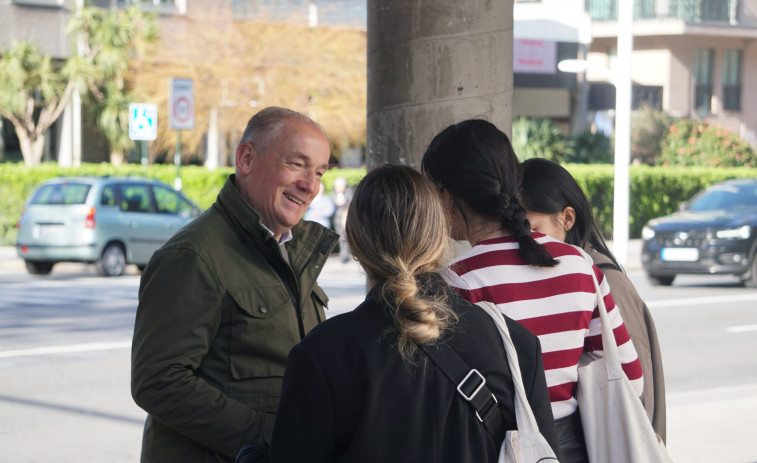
point(640, 326)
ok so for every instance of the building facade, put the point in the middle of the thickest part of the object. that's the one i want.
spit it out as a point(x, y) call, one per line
point(691, 58)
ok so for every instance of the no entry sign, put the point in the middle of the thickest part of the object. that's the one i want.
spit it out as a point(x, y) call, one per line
point(182, 105)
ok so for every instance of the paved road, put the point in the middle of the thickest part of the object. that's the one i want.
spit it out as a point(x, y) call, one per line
point(64, 356)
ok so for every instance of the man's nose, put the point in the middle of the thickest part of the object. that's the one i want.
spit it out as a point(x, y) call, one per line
point(310, 182)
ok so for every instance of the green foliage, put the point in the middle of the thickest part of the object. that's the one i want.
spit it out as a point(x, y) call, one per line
point(17, 182)
point(648, 128)
point(113, 40)
point(540, 138)
point(654, 191)
point(696, 143)
point(35, 89)
point(592, 148)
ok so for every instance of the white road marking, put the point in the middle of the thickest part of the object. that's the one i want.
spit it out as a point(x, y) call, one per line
point(701, 300)
point(741, 329)
point(94, 346)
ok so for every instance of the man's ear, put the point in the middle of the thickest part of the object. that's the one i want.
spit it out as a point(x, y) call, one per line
point(570, 218)
point(245, 158)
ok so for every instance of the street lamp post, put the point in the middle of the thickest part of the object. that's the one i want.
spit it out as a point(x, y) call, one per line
point(620, 78)
point(622, 131)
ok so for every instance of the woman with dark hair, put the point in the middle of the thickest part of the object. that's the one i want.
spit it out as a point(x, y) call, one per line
point(556, 206)
point(541, 282)
point(360, 386)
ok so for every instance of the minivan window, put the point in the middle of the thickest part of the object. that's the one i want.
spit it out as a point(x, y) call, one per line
point(169, 202)
point(62, 193)
point(135, 198)
point(108, 197)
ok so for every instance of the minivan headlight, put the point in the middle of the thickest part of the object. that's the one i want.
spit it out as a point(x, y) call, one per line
point(647, 233)
point(740, 233)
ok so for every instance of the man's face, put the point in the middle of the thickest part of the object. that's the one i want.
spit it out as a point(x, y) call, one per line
point(281, 183)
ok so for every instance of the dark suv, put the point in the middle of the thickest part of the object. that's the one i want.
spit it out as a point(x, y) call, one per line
point(713, 233)
point(109, 221)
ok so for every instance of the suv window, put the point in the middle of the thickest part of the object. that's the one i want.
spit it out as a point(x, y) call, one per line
point(169, 202)
point(62, 193)
point(135, 198)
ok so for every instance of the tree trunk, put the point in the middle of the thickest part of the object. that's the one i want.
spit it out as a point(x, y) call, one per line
point(117, 158)
point(31, 148)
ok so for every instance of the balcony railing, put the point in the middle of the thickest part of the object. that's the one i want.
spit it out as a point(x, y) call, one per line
point(686, 10)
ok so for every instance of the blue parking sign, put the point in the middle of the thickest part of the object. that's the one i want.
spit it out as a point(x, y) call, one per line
point(143, 121)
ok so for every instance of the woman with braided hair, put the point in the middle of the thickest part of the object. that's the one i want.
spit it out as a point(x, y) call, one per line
point(541, 282)
point(360, 386)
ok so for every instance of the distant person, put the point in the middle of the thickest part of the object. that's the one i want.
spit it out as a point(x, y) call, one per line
point(342, 196)
point(321, 208)
point(556, 206)
point(226, 298)
point(360, 387)
point(541, 282)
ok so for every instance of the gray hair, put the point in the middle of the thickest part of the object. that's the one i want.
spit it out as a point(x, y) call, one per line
point(264, 127)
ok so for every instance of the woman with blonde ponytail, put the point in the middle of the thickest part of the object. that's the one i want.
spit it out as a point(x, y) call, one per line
point(360, 386)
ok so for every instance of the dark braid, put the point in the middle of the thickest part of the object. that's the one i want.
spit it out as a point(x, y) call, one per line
point(475, 162)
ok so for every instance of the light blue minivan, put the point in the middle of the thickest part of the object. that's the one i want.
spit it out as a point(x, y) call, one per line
point(108, 221)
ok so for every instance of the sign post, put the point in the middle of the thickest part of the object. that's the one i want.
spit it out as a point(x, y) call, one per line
point(143, 125)
point(182, 117)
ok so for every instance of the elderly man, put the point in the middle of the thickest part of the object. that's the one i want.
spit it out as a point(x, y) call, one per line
point(224, 300)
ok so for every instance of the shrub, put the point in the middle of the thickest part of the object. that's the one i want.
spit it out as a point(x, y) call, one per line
point(696, 143)
point(648, 129)
point(540, 138)
point(592, 148)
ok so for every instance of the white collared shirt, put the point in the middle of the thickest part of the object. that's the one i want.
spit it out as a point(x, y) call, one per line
point(285, 238)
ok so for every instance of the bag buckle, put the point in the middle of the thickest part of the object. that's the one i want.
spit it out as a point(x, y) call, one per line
point(470, 376)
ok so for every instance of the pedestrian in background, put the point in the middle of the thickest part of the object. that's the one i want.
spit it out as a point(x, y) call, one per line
point(225, 299)
point(543, 283)
point(556, 206)
point(321, 208)
point(342, 196)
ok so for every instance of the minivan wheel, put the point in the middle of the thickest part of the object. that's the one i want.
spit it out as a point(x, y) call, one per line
point(113, 261)
point(661, 280)
point(39, 268)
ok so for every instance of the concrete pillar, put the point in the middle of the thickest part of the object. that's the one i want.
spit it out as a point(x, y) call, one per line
point(432, 63)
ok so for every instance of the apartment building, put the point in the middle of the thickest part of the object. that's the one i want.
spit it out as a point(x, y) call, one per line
point(691, 58)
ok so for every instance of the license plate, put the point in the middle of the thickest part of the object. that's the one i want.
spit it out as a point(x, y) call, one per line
point(48, 230)
point(679, 254)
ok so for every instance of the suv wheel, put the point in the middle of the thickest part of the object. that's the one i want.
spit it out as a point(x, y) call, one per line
point(39, 268)
point(113, 261)
point(661, 280)
point(751, 280)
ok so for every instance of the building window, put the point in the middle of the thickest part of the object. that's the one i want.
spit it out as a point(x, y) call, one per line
point(161, 6)
point(703, 80)
point(732, 80)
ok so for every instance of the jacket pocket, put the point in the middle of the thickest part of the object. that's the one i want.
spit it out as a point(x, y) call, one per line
point(321, 301)
point(264, 329)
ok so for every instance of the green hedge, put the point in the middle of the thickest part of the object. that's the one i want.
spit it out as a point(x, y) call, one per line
point(655, 191)
point(201, 185)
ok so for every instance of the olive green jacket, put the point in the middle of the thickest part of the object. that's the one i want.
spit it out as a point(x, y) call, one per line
point(215, 323)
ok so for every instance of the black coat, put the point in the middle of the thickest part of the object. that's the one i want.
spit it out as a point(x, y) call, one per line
point(348, 396)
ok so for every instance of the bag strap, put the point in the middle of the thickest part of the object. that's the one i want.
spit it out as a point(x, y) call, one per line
point(471, 385)
point(523, 413)
point(609, 345)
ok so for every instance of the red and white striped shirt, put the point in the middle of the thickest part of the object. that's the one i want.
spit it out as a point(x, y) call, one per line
point(557, 304)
